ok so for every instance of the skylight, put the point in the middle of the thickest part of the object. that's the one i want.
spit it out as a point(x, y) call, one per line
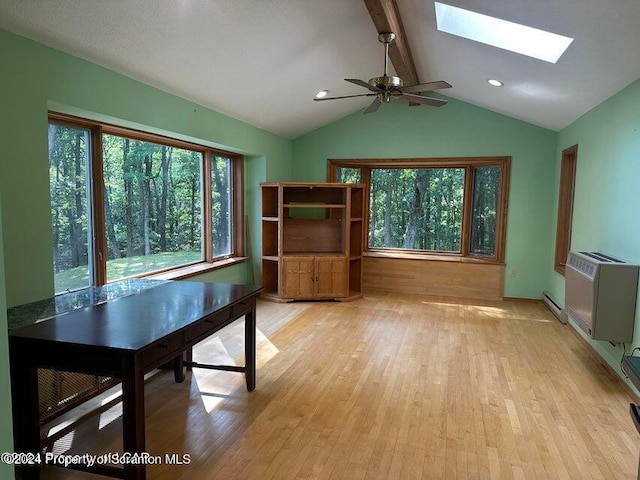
point(501, 33)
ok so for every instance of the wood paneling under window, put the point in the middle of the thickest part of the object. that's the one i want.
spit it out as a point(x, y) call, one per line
point(427, 276)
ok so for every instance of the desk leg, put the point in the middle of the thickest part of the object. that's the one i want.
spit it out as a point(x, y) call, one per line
point(26, 411)
point(250, 347)
point(133, 431)
point(188, 357)
point(178, 368)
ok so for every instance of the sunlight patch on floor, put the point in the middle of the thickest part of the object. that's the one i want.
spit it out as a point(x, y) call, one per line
point(488, 311)
point(110, 415)
point(214, 386)
point(55, 429)
point(212, 390)
point(265, 350)
point(63, 444)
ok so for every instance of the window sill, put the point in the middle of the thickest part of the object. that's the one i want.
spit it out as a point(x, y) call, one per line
point(431, 257)
point(195, 269)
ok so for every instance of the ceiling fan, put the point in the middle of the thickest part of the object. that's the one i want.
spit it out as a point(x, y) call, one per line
point(386, 87)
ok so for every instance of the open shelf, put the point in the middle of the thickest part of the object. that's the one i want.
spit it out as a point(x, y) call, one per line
point(269, 238)
point(270, 201)
point(357, 203)
point(270, 276)
point(355, 277)
point(355, 238)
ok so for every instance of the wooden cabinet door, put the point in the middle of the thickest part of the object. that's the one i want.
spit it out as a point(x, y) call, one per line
point(331, 277)
point(297, 277)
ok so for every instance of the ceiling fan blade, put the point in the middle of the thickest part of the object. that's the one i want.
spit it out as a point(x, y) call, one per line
point(345, 96)
point(433, 102)
point(373, 106)
point(425, 87)
point(362, 83)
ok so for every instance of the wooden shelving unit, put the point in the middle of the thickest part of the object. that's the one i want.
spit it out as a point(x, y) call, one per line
point(312, 238)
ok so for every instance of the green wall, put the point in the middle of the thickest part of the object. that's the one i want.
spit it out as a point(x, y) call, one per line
point(606, 217)
point(456, 130)
point(6, 432)
point(36, 78)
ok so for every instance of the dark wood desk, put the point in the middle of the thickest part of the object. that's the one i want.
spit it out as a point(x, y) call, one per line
point(125, 338)
point(631, 367)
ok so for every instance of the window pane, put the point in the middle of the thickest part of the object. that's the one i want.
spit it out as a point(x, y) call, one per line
point(484, 216)
point(152, 206)
point(349, 175)
point(221, 205)
point(69, 149)
point(417, 209)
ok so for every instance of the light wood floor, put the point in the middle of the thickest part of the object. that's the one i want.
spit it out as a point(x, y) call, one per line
point(388, 388)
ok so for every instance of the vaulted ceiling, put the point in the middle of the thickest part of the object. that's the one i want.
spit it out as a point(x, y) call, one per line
point(262, 61)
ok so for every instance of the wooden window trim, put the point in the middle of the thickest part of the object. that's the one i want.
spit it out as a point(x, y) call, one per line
point(565, 206)
point(237, 195)
point(98, 270)
point(469, 164)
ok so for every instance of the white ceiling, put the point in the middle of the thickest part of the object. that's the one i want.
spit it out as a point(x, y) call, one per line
point(262, 61)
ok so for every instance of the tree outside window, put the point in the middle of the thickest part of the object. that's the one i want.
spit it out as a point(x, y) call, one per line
point(454, 207)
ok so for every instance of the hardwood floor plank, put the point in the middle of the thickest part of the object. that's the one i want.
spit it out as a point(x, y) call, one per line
point(387, 387)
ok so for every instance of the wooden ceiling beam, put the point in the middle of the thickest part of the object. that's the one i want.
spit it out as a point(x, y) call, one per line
point(386, 18)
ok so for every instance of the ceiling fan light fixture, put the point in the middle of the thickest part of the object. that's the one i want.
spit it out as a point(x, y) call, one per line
point(389, 87)
point(495, 83)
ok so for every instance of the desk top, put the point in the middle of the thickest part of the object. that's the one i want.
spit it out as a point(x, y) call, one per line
point(66, 302)
point(134, 321)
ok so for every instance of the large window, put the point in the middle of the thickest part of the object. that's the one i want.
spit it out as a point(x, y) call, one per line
point(454, 207)
point(126, 203)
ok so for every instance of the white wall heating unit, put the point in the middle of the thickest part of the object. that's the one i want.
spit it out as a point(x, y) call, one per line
point(600, 295)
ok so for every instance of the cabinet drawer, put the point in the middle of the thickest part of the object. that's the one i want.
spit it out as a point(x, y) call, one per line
point(207, 326)
point(240, 309)
point(162, 351)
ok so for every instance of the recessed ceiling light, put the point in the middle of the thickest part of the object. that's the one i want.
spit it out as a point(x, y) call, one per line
point(501, 33)
point(495, 83)
point(322, 93)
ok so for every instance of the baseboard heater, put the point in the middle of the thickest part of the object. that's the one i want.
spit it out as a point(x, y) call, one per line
point(553, 305)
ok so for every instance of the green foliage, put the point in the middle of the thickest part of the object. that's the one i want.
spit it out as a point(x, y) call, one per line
point(68, 160)
point(153, 195)
point(349, 175)
point(78, 277)
point(485, 210)
point(418, 209)
point(221, 205)
point(152, 204)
